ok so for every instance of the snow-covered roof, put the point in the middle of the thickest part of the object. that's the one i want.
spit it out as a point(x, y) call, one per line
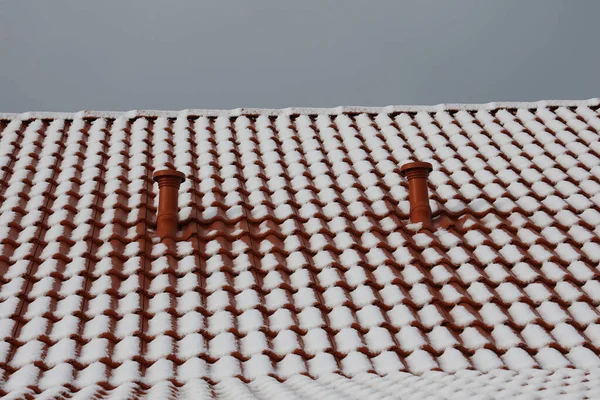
point(299, 274)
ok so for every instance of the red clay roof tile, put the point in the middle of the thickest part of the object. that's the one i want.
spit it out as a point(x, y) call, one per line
point(297, 273)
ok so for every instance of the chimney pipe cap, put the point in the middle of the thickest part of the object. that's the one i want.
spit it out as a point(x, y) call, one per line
point(170, 173)
point(416, 165)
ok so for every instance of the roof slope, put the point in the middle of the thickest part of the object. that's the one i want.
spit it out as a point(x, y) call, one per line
point(298, 260)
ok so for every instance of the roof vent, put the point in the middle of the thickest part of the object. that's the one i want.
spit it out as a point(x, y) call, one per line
point(168, 192)
point(418, 194)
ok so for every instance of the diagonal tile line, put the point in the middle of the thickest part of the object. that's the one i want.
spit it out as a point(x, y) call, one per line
point(146, 250)
point(13, 158)
point(98, 199)
point(46, 213)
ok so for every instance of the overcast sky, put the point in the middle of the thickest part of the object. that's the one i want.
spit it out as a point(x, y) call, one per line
point(121, 55)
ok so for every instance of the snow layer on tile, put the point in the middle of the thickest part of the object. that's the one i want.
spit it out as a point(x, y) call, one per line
point(341, 274)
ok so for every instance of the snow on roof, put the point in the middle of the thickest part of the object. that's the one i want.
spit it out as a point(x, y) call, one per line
point(303, 110)
point(299, 274)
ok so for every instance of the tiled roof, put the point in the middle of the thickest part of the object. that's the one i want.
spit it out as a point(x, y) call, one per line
point(298, 273)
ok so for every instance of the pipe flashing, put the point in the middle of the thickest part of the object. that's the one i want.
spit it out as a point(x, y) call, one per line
point(167, 222)
point(418, 194)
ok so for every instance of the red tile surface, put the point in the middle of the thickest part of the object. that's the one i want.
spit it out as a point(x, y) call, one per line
point(298, 271)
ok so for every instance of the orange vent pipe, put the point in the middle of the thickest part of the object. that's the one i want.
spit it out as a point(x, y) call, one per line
point(168, 192)
point(418, 194)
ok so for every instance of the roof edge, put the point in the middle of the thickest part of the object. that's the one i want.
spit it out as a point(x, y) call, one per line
point(300, 110)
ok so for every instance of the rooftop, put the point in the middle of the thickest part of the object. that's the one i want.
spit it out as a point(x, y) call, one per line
point(298, 273)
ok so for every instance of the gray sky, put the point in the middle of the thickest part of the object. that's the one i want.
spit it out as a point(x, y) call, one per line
point(120, 55)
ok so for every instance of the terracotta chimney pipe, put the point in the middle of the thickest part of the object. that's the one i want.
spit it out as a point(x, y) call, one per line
point(418, 194)
point(168, 193)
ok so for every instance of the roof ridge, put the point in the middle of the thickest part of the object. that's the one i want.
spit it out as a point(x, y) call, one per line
point(302, 110)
